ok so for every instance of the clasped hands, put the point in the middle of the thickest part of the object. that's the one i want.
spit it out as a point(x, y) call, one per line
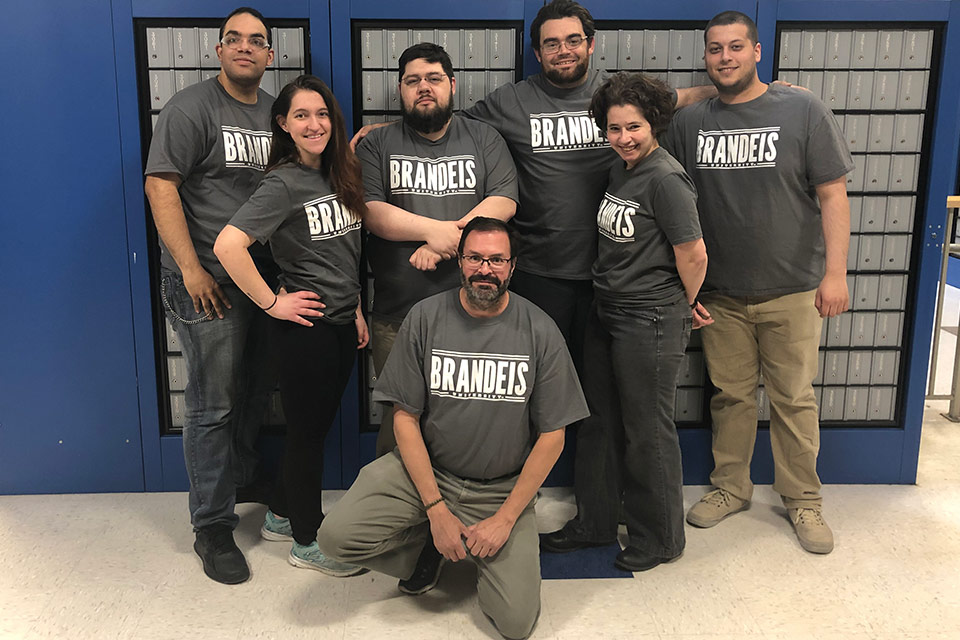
point(454, 539)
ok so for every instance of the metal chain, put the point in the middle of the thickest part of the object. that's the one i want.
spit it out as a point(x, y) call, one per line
point(176, 316)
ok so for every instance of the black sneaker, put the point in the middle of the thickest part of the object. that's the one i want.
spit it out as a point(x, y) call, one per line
point(427, 573)
point(222, 559)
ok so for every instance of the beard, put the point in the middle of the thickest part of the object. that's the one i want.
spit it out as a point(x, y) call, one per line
point(430, 121)
point(569, 77)
point(484, 298)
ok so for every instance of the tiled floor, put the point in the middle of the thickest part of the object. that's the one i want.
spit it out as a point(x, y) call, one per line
point(122, 566)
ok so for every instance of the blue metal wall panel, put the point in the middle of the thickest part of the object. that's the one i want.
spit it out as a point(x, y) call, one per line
point(217, 8)
point(944, 149)
point(79, 337)
point(864, 10)
point(68, 403)
point(941, 180)
point(847, 456)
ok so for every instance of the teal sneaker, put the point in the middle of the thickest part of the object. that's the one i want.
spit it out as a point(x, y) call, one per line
point(309, 556)
point(276, 529)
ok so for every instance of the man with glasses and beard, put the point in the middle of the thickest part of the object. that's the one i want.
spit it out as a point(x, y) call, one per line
point(482, 387)
point(425, 177)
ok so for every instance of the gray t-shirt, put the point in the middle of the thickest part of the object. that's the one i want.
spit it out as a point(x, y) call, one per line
point(314, 238)
point(484, 388)
point(442, 180)
point(645, 212)
point(219, 147)
point(756, 166)
point(562, 160)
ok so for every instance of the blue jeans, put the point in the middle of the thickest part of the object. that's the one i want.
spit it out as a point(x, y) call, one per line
point(229, 380)
point(628, 448)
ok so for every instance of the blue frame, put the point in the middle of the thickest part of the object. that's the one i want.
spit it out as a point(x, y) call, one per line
point(874, 443)
point(847, 454)
point(860, 454)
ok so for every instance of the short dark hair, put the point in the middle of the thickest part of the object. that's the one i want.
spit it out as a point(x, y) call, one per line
point(481, 223)
point(652, 97)
point(733, 17)
point(256, 14)
point(557, 10)
point(428, 51)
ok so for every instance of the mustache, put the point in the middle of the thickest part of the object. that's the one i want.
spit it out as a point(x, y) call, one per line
point(479, 277)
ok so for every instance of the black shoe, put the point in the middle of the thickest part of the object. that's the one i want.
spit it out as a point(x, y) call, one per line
point(259, 491)
point(560, 542)
point(426, 574)
point(222, 559)
point(632, 559)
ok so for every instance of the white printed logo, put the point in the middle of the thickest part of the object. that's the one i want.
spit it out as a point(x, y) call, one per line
point(328, 218)
point(245, 148)
point(564, 131)
point(479, 376)
point(615, 218)
point(738, 148)
point(437, 177)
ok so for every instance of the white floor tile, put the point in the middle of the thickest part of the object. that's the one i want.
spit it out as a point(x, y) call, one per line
point(122, 566)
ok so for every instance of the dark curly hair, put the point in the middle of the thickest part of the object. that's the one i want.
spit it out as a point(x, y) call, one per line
point(652, 97)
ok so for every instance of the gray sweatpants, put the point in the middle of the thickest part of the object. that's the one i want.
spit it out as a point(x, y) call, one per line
point(380, 524)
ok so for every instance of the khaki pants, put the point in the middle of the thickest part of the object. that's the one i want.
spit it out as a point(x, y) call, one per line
point(380, 524)
point(383, 333)
point(779, 337)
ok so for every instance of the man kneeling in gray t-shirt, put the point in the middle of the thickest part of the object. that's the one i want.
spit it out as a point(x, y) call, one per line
point(482, 387)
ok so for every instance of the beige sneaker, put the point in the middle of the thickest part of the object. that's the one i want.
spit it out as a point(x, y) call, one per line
point(812, 530)
point(714, 507)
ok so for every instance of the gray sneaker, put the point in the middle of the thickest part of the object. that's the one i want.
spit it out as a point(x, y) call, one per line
point(714, 507)
point(309, 556)
point(813, 532)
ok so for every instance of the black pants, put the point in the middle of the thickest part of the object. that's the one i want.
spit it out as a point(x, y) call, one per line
point(314, 365)
point(567, 302)
point(628, 448)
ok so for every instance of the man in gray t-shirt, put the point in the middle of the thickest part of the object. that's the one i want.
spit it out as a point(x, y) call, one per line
point(482, 387)
point(769, 164)
point(562, 161)
point(206, 158)
point(424, 178)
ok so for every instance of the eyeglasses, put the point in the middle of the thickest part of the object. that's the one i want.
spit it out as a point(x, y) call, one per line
point(553, 46)
point(255, 42)
point(496, 262)
point(433, 79)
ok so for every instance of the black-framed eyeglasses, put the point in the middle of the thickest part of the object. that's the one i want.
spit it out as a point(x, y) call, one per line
point(496, 262)
point(255, 42)
point(571, 42)
point(433, 79)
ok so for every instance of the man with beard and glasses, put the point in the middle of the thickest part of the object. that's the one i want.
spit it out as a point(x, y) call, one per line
point(770, 166)
point(482, 387)
point(563, 162)
point(425, 177)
